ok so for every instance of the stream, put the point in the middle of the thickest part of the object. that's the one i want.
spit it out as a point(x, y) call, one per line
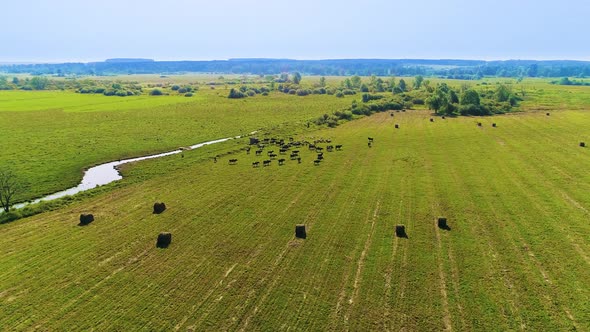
point(106, 173)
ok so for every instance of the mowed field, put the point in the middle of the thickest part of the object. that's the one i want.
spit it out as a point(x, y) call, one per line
point(517, 256)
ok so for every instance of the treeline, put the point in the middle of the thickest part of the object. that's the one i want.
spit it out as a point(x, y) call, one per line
point(441, 98)
point(567, 81)
point(454, 69)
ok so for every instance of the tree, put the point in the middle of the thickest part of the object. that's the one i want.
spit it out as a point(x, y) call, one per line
point(10, 186)
point(296, 77)
point(470, 97)
point(356, 82)
point(39, 83)
point(434, 102)
point(418, 82)
point(322, 81)
point(402, 85)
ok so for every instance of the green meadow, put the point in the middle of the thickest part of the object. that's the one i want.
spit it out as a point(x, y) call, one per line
point(516, 197)
point(50, 137)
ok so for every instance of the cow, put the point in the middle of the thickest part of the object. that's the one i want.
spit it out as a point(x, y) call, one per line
point(338, 147)
point(320, 157)
point(233, 161)
point(281, 161)
point(248, 150)
point(273, 155)
point(258, 152)
point(316, 162)
point(266, 163)
point(299, 160)
point(293, 156)
point(329, 148)
point(370, 139)
point(256, 164)
point(270, 152)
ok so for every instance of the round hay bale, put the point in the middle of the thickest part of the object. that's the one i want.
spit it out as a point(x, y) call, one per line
point(164, 240)
point(86, 219)
point(300, 231)
point(431, 120)
point(494, 124)
point(548, 114)
point(159, 208)
point(479, 124)
point(442, 223)
point(400, 231)
point(443, 117)
point(582, 144)
point(396, 126)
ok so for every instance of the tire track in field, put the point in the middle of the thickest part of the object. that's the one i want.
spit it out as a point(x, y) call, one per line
point(548, 182)
point(210, 307)
point(312, 215)
point(361, 261)
point(436, 210)
point(498, 267)
point(400, 307)
point(388, 326)
point(538, 265)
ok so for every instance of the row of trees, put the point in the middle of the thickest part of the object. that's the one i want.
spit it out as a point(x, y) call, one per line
point(445, 100)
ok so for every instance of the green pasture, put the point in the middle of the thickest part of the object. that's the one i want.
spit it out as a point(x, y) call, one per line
point(517, 256)
point(50, 137)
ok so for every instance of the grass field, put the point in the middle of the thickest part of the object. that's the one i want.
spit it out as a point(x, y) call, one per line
point(516, 258)
point(50, 137)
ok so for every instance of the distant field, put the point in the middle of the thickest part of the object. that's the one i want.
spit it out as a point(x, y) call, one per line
point(49, 137)
point(517, 256)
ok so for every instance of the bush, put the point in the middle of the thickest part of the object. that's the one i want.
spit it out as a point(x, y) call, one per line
point(418, 101)
point(251, 93)
point(156, 92)
point(234, 94)
point(339, 94)
point(188, 94)
point(349, 92)
point(182, 90)
point(368, 97)
point(303, 92)
point(175, 87)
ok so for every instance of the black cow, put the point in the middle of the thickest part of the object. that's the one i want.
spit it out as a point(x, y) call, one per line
point(266, 163)
point(281, 161)
point(256, 164)
point(316, 162)
point(338, 147)
point(258, 152)
point(233, 161)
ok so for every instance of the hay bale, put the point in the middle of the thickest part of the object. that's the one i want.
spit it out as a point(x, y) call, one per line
point(431, 120)
point(494, 124)
point(396, 126)
point(442, 223)
point(86, 219)
point(300, 231)
point(582, 144)
point(164, 240)
point(443, 117)
point(548, 114)
point(159, 208)
point(479, 124)
point(400, 231)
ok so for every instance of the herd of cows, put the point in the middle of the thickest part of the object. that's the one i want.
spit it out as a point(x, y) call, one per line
point(280, 149)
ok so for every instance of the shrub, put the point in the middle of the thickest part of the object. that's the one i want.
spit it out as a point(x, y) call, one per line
point(339, 94)
point(233, 93)
point(418, 101)
point(175, 88)
point(156, 92)
point(189, 94)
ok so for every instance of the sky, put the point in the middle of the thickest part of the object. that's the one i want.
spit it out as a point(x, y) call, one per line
point(74, 30)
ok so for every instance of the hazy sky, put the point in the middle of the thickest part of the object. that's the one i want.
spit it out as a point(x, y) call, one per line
point(75, 30)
